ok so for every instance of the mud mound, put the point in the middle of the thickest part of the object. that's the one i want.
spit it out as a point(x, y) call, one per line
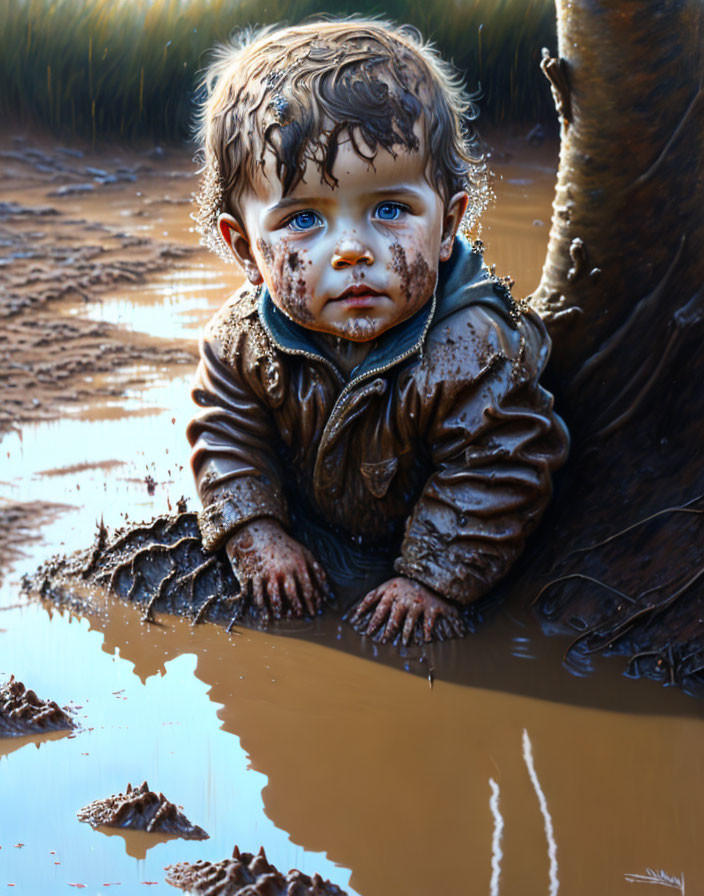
point(22, 712)
point(247, 874)
point(141, 809)
point(158, 565)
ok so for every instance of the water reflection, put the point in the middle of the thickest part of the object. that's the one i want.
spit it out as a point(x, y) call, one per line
point(358, 753)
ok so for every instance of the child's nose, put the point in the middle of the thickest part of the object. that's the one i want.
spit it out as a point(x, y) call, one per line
point(350, 252)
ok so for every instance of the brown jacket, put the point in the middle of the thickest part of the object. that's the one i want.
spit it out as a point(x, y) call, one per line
point(439, 448)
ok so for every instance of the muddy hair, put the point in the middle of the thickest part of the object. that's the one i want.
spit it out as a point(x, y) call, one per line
point(296, 92)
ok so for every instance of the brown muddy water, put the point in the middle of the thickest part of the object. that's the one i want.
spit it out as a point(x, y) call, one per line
point(508, 776)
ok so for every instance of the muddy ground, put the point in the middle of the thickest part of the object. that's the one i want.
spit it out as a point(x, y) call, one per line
point(318, 746)
point(61, 250)
point(50, 257)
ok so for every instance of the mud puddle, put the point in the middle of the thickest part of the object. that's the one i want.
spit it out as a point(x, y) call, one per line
point(508, 775)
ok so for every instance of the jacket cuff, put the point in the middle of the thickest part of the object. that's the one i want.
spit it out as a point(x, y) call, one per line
point(247, 500)
point(455, 575)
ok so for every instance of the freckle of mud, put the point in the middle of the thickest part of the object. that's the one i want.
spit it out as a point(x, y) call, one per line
point(416, 279)
point(247, 874)
point(289, 284)
point(141, 809)
point(266, 250)
point(22, 712)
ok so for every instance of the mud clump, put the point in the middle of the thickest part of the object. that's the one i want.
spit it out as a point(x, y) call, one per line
point(22, 712)
point(157, 565)
point(141, 809)
point(248, 875)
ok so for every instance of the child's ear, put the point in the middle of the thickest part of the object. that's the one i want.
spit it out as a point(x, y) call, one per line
point(235, 238)
point(454, 212)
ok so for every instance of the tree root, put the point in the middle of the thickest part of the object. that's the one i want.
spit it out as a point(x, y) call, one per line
point(681, 508)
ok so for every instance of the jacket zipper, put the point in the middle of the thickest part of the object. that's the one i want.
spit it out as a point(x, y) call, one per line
point(365, 376)
point(352, 383)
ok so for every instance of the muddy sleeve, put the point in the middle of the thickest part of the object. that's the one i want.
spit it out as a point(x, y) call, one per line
point(494, 442)
point(234, 459)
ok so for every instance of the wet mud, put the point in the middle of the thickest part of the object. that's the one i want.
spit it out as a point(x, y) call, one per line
point(246, 874)
point(286, 267)
point(416, 278)
point(50, 257)
point(162, 567)
point(140, 809)
point(22, 712)
point(20, 525)
point(158, 566)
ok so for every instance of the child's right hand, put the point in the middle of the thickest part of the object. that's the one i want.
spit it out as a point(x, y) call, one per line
point(281, 575)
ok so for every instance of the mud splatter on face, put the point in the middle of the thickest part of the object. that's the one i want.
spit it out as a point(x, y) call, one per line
point(267, 252)
point(288, 284)
point(417, 279)
point(360, 329)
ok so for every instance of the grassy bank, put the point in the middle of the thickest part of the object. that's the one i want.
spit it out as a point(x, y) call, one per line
point(130, 67)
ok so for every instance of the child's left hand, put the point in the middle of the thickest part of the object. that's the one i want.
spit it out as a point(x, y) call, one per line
point(403, 601)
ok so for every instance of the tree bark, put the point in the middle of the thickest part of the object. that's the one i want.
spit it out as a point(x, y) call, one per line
point(622, 292)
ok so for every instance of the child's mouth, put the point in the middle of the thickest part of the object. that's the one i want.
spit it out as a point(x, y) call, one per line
point(358, 296)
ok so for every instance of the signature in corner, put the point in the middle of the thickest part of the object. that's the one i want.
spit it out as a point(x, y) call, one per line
point(659, 878)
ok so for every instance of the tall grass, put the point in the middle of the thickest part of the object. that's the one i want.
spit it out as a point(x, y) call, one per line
point(130, 67)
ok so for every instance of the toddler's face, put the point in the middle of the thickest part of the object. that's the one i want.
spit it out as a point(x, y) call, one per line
point(351, 260)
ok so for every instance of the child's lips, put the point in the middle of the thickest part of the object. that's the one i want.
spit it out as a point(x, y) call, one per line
point(358, 296)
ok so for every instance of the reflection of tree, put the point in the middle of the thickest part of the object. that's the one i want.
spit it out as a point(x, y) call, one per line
point(623, 294)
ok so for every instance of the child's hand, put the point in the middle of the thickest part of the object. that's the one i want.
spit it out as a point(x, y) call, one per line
point(280, 573)
point(403, 601)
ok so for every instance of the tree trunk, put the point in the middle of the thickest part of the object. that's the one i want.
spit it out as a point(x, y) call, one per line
point(622, 293)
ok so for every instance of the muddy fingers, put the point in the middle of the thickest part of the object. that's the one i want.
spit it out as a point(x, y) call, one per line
point(257, 590)
point(291, 592)
point(308, 591)
point(382, 611)
point(402, 604)
point(276, 598)
point(409, 626)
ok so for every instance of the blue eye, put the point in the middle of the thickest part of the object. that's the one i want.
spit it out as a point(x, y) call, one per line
point(303, 221)
point(389, 211)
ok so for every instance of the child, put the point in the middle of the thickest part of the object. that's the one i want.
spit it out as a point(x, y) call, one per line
point(373, 390)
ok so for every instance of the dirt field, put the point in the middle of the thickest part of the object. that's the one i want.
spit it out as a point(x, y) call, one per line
point(51, 260)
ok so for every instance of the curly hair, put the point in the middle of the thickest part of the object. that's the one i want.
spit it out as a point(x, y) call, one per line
point(296, 91)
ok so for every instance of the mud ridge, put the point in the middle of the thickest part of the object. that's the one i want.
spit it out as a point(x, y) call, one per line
point(22, 712)
point(140, 809)
point(246, 874)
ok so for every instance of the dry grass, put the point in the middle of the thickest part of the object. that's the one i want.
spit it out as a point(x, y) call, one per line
point(130, 67)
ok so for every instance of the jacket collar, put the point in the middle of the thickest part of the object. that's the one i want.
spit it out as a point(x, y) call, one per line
point(457, 278)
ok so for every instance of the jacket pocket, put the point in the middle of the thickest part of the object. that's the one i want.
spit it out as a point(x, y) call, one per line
point(377, 476)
